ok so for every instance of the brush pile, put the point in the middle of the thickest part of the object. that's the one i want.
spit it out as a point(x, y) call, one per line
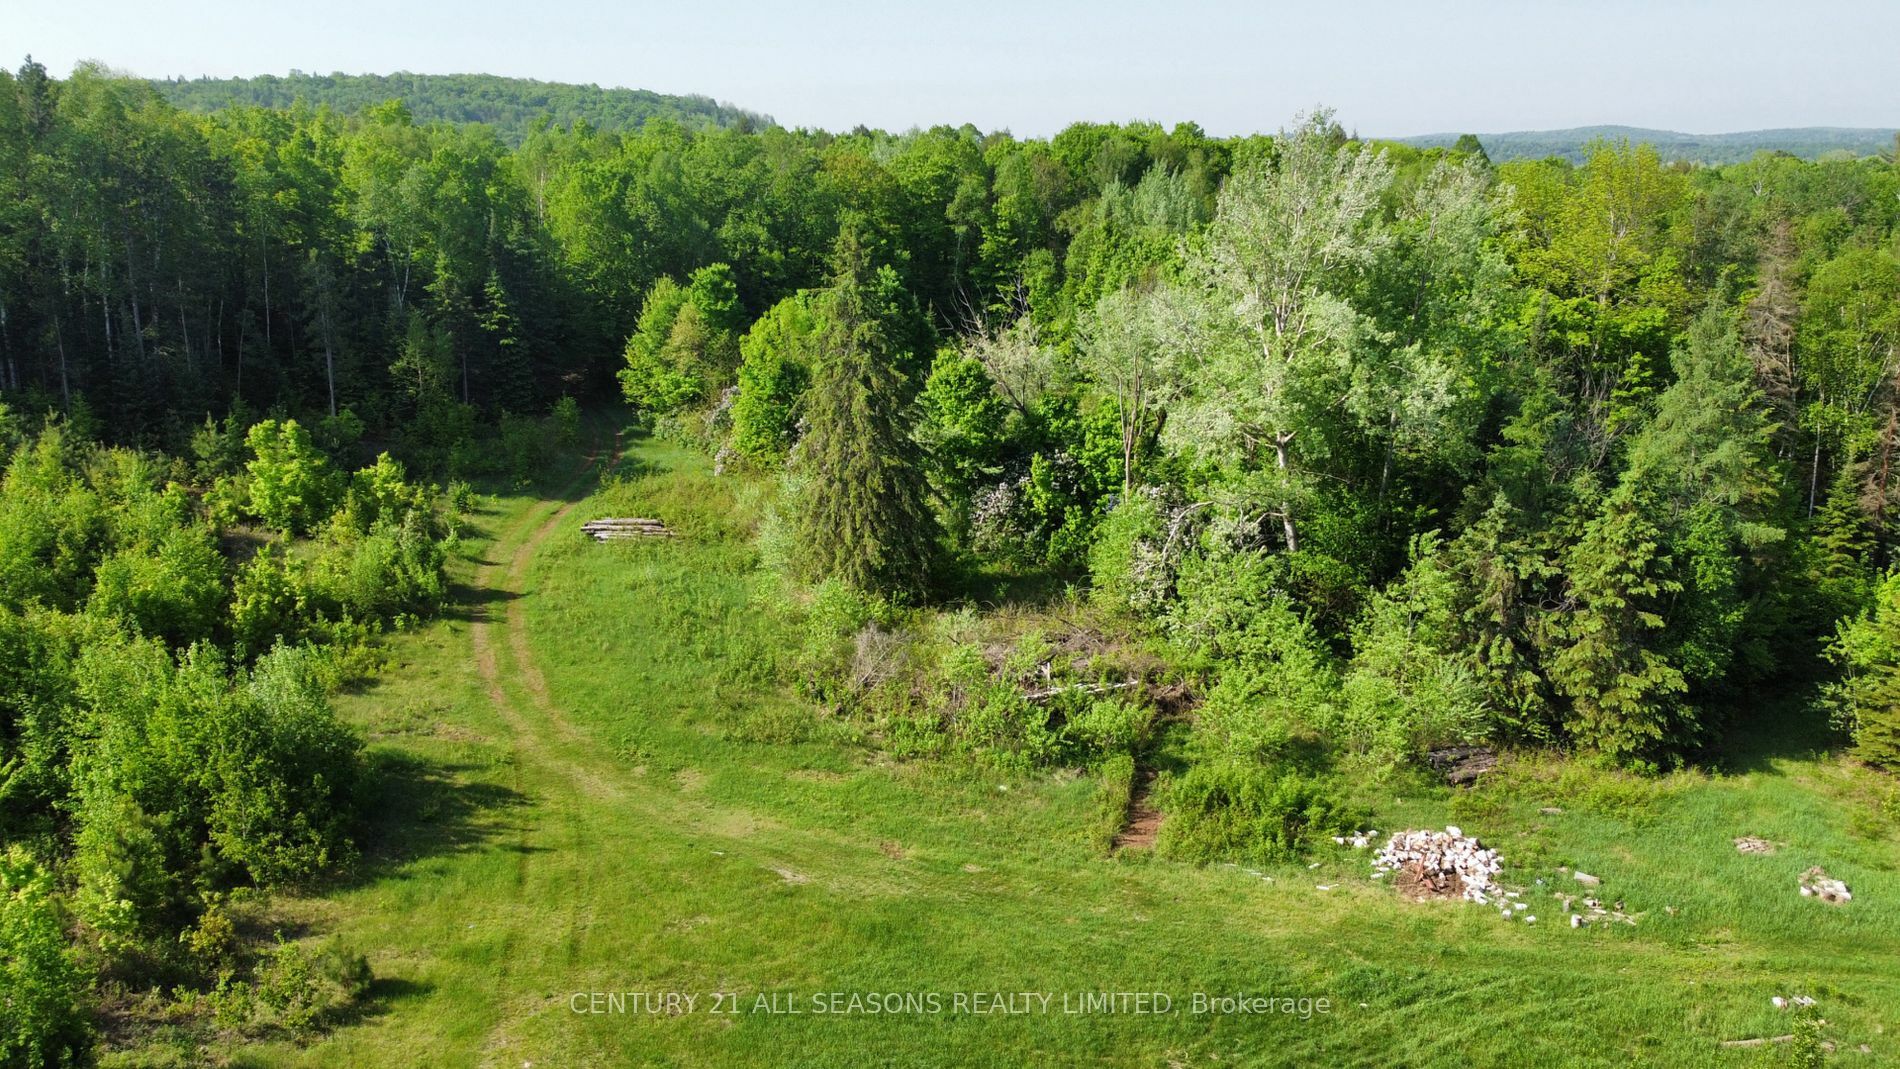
point(1440, 864)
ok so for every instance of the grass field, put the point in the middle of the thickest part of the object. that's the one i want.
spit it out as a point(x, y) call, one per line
point(593, 787)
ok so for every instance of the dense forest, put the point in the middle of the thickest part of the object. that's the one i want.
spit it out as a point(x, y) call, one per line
point(1807, 142)
point(511, 105)
point(1373, 448)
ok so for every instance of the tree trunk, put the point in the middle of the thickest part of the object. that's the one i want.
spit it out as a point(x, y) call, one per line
point(1280, 442)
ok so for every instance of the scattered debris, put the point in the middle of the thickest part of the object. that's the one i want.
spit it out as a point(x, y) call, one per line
point(1551, 810)
point(1750, 844)
point(1358, 840)
point(1434, 864)
point(610, 528)
point(1594, 911)
point(1816, 883)
point(1462, 765)
point(1586, 879)
point(791, 877)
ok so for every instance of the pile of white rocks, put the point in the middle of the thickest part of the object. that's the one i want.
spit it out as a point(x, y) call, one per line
point(1358, 840)
point(1816, 883)
point(1442, 863)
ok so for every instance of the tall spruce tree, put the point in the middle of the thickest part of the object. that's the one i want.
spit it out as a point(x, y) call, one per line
point(1624, 694)
point(865, 517)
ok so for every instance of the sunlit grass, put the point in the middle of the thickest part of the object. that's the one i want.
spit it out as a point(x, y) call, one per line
point(618, 825)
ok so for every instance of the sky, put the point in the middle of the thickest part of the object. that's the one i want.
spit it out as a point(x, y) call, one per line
point(1033, 66)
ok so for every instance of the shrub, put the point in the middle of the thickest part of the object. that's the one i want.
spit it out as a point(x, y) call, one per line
point(284, 772)
point(173, 589)
point(42, 990)
point(1112, 725)
point(1128, 566)
point(1411, 684)
point(292, 486)
point(564, 422)
point(269, 602)
point(299, 988)
point(1239, 810)
point(394, 569)
point(1866, 701)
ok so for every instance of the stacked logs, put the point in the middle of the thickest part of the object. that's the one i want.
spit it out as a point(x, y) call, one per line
point(611, 528)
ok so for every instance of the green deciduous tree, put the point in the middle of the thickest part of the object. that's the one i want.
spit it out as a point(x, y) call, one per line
point(292, 485)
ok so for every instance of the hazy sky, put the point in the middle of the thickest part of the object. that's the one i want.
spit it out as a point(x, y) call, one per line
point(1035, 65)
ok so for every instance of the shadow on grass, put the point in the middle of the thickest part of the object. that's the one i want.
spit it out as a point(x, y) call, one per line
point(422, 809)
point(467, 601)
point(1780, 725)
point(385, 994)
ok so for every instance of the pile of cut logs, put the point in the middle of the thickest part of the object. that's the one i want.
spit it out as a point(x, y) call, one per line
point(610, 528)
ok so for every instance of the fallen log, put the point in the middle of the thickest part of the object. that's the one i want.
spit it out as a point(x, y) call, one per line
point(1037, 697)
point(1758, 1042)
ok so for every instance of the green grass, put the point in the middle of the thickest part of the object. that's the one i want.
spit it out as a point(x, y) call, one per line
point(643, 811)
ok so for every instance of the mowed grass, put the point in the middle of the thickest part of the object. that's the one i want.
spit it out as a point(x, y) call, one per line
point(603, 790)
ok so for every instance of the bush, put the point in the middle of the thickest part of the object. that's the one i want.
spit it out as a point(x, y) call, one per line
point(1110, 726)
point(1129, 569)
point(1865, 703)
point(1221, 810)
point(297, 988)
point(269, 603)
point(394, 569)
point(1411, 685)
point(43, 1021)
point(173, 589)
point(292, 486)
point(284, 772)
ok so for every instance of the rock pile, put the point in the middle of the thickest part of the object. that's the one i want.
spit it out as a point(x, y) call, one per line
point(1816, 883)
point(1358, 840)
point(1440, 864)
point(1751, 844)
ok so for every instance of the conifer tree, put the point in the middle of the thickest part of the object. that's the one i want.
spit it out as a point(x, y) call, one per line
point(1622, 691)
point(865, 517)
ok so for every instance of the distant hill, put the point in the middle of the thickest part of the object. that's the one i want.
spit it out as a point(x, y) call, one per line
point(510, 105)
point(1808, 142)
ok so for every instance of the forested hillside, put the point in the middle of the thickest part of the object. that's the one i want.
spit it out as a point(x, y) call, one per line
point(511, 105)
point(1808, 143)
point(1351, 450)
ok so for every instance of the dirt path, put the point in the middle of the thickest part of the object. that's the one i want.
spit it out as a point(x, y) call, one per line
point(506, 576)
point(1144, 820)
